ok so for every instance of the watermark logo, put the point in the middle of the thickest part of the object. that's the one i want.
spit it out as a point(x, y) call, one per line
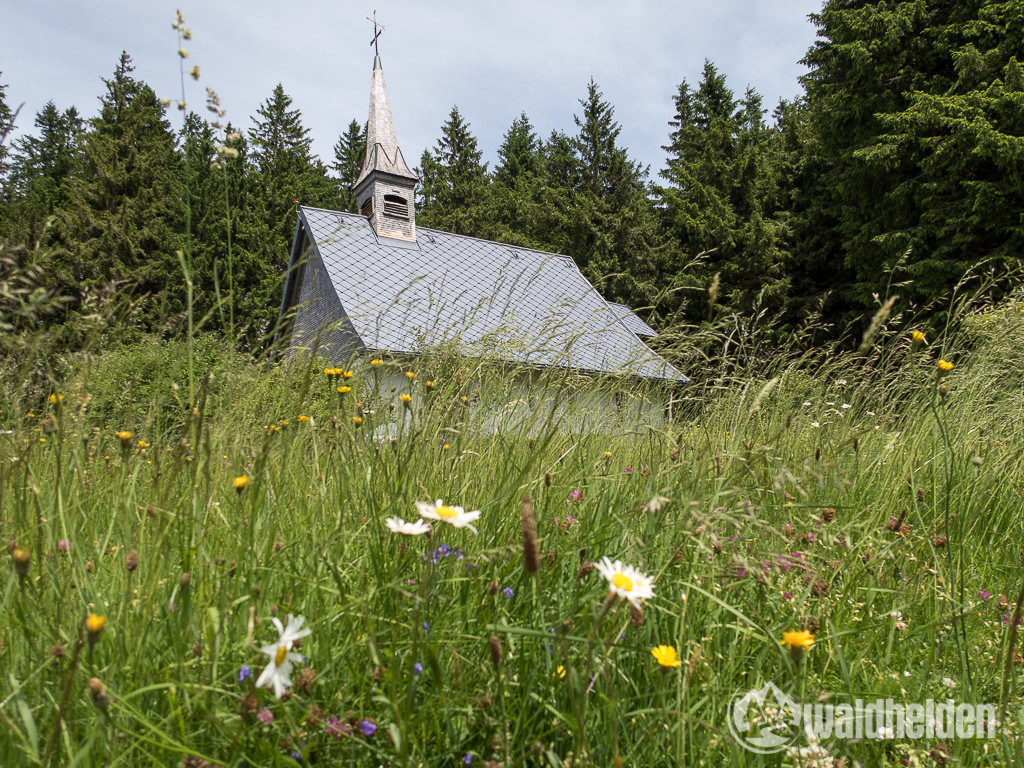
point(766, 720)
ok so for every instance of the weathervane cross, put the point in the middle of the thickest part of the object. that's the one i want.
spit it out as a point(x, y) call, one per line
point(377, 30)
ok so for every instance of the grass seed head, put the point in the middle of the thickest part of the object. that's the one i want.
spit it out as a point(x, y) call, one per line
point(497, 652)
point(531, 552)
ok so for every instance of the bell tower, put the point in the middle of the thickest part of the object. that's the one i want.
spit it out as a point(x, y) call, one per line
point(386, 189)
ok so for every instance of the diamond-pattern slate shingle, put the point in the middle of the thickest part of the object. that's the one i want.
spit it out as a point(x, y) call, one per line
point(530, 307)
point(632, 320)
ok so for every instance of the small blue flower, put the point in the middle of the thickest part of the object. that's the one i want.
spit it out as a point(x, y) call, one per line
point(508, 593)
point(244, 673)
point(368, 727)
point(417, 668)
point(425, 627)
point(468, 759)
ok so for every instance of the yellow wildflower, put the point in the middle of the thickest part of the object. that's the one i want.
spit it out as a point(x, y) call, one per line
point(94, 626)
point(944, 367)
point(410, 375)
point(240, 482)
point(344, 390)
point(798, 641)
point(666, 656)
point(376, 362)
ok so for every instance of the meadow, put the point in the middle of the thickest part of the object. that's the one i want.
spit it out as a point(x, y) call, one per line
point(163, 506)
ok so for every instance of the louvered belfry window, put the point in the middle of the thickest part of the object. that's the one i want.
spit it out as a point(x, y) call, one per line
point(396, 206)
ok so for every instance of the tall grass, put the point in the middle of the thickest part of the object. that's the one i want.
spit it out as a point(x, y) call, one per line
point(803, 494)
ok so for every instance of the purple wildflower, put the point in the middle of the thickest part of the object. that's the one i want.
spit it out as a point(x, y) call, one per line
point(787, 596)
point(368, 727)
point(244, 673)
point(575, 495)
point(508, 593)
point(336, 728)
point(984, 595)
point(417, 668)
point(468, 759)
point(63, 545)
point(265, 716)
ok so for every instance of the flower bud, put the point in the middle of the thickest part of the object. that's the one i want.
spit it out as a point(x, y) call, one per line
point(22, 558)
point(94, 627)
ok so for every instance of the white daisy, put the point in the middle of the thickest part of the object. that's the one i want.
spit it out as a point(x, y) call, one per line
point(454, 516)
point(288, 635)
point(398, 525)
point(625, 581)
point(277, 675)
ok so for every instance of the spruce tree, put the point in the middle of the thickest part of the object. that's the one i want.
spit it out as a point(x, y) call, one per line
point(41, 169)
point(720, 198)
point(520, 201)
point(6, 125)
point(916, 127)
point(349, 152)
point(519, 155)
point(454, 181)
point(612, 231)
point(282, 170)
point(119, 233)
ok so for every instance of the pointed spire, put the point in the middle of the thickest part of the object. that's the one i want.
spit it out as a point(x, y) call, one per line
point(382, 150)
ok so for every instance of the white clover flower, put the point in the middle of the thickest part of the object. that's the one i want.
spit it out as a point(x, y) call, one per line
point(625, 581)
point(456, 517)
point(398, 525)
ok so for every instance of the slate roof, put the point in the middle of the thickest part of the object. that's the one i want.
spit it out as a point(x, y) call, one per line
point(632, 320)
point(533, 307)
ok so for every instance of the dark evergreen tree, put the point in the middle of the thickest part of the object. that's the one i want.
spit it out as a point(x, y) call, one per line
point(520, 200)
point(519, 155)
point(119, 235)
point(454, 182)
point(916, 126)
point(613, 234)
point(282, 170)
point(41, 170)
point(721, 196)
point(349, 151)
point(6, 124)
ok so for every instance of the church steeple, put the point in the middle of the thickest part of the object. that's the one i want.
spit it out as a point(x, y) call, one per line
point(385, 190)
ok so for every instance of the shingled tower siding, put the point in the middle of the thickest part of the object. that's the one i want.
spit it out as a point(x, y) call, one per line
point(386, 188)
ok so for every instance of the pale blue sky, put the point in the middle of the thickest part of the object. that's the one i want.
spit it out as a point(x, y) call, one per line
point(493, 59)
